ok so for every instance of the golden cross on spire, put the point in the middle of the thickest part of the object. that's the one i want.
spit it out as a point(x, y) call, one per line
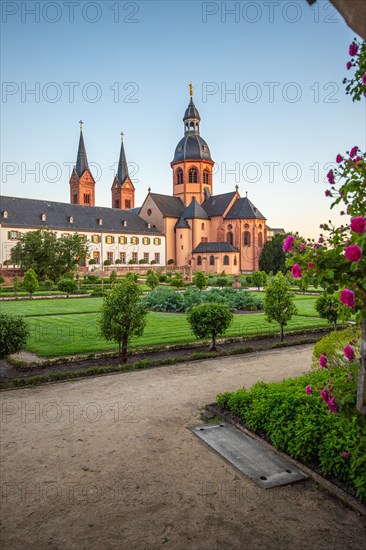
point(190, 85)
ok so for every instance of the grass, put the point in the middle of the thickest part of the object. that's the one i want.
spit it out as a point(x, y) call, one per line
point(69, 326)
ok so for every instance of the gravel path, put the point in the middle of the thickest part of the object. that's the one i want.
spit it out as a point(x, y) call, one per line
point(110, 462)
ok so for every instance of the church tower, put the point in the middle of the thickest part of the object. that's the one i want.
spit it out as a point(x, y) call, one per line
point(123, 191)
point(82, 184)
point(192, 163)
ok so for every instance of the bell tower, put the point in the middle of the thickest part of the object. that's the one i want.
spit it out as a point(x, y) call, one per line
point(123, 191)
point(82, 184)
point(192, 163)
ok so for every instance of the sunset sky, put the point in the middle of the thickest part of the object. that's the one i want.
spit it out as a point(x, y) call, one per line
point(125, 66)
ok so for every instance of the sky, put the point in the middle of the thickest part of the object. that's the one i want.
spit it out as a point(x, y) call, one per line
point(267, 78)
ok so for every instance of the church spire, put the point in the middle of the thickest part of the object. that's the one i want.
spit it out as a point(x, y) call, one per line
point(191, 117)
point(122, 171)
point(82, 159)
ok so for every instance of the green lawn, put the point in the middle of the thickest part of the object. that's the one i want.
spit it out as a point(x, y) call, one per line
point(68, 326)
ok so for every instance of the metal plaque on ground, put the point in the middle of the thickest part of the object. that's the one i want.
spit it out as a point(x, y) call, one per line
point(265, 467)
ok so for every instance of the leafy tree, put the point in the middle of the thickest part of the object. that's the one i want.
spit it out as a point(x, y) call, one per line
point(259, 278)
point(14, 333)
point(67, 285)
point(152, 280)
point(273, 257)
point(210, 320)
point(329, 307)
point(222, 281)
point(278, 302)
point(123, 315)
point(200, 280)
point(113, 276)
point(131, 276)
point(30, 282)
point(49, 256)
point(48, 284)
point(177, 280)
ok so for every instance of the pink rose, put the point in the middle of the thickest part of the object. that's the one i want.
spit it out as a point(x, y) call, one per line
point(327, 193)
point(288, 244)
point(347, 298)
point(296, 271)
point(353, 253)
point(308, 390)
point(353, 49)
point(349, 65)
point(349, 353)
point(325, 394)
point(339, 158)
point(332, 405)
point(353, 151)
point(310, 265)
point(330, 177)
point(364, 79)
point(345, 454)
point(323, 360)
point(302, 247)
point(358, 225)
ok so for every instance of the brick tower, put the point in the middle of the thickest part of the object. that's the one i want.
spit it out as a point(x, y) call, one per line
point(192, 163)
point(82, 184)
point(123, 191)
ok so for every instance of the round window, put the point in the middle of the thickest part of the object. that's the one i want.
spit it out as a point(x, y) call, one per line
point(149, 212)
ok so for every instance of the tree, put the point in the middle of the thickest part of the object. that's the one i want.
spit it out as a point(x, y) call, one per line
point(152, 280)
point(30, 282)
point(222, 281)
point(273, 257)
point(131, 276)
point(200, 280)
point(49, 256)
point(209, 320)
point(278, 302)
point(14, 333)
point(67, 285)
point(123, 315)
point(113, 276)
point(328, 307)
point(177, 280)
point(259, 278)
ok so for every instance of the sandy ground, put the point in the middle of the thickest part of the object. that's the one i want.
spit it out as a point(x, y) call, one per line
point(110, 462)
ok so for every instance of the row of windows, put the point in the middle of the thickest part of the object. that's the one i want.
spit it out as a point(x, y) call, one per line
point(110, 239)
point(246, 239)
point(193, 176)
point(124, 258)
point(127, 203)
point(212, 260)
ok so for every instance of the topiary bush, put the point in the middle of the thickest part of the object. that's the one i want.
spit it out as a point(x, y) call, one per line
point(164, 299)
point(14, 333)
point(67, 285)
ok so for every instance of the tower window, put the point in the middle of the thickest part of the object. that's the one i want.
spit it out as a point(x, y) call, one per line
point(202, 226)
point(246, 238)
point(193, 175)
point(128, 203)
point(86, 198)
point(230, 238)
point(116, 203)
point(212, 260)
point(75, 199)
point(199, 260)
point(260, 240)
point(179, 176)
point(205, 176)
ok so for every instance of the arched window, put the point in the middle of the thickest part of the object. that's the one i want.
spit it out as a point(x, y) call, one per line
point(193, 175)
point(191, 126)
point(205, 176)
point(230, 238)
point(226, 260)
point(235, 260)
point(260, 240)
point(212, 260)
point(202, 226)
point(199, 260)
point(179, 175)
point(246, 238)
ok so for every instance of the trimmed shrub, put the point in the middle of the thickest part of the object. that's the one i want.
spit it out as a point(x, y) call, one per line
point(67, 285)
point(14, 333)
point(164, 299)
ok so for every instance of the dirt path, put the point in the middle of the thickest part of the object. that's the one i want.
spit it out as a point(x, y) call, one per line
point(110, 463)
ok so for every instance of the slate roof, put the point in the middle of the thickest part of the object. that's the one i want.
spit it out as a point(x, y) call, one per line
point(244, 209)
point(276, 230)
point(215, 247)
point(81, 160)
point(171, 207)
point(27, 213)
point(192, 147)
point(191, 111)
point(217, 204)
point(122, 171)
point(182, 224)
point(194, 211)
